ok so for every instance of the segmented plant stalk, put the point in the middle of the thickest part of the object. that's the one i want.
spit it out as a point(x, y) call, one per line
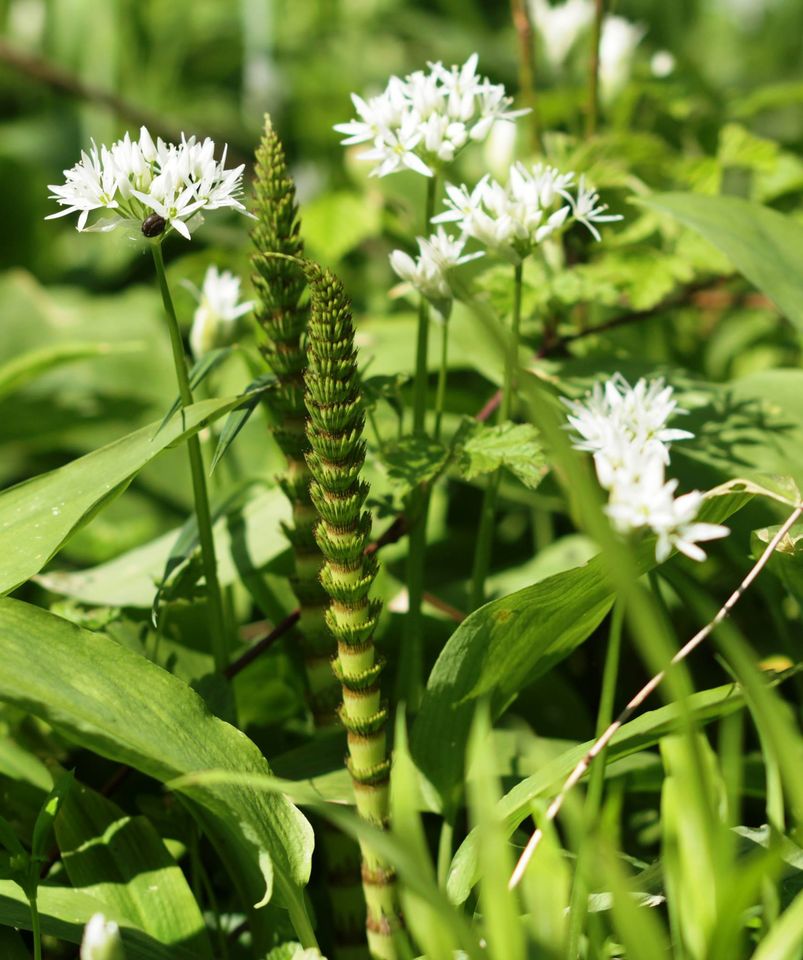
point(280, 284)
point(335, 433)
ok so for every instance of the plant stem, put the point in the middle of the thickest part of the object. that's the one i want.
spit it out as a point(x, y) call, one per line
point(592, 107)
point(422, 335)
point(199, 490)
point(578, 908)
point(35, 928)
point(445, 851)
point(482, 550)
point(411, 659)
point(440, 395)
point(527, 90)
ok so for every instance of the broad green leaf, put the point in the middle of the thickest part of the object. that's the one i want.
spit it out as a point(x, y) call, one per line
point(512, 445)
point(785, 939)
point(246, 539)
point(764, 245)
point(335, 223)
point(64, 913)
point(38, 516)
point(17, 763)
point(238, 417)
point(113, 701)
point(123, 863)
point(507, 644)
point(645, 731)
point(21, 370)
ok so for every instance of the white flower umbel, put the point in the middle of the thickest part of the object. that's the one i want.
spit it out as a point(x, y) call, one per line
point(215, 320)
point(159, 187)
point(512, 220)
point(428, 272)
point(420, 122)
point(560, 26)
point(626, 429)
point(101, 940)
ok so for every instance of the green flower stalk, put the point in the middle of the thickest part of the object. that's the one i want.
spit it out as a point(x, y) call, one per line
point(335, 433)
point(280, 283)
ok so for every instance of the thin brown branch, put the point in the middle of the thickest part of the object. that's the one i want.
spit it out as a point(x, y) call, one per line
point(63, 81)
point(262, 645)
point(602, 742)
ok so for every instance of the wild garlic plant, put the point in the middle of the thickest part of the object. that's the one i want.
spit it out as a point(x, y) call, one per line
point(158, 189)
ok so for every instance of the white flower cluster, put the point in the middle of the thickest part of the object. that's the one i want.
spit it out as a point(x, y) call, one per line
point(215, 319)
point(158, 186)
point(536, 202)
point(428, 272)
point(419, 123)
point(625, 428)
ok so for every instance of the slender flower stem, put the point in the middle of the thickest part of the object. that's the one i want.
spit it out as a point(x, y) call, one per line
point(592, 108)
point(411, 660)
point(422, 336)
point(579, 904)
point(35, 929)
point(440, 395)
point(200, 493)
point(482, 550)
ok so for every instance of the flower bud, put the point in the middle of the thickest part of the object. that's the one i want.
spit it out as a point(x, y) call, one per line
point(102, 940)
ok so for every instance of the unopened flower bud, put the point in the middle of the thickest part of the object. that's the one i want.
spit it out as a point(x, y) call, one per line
point(102, 940)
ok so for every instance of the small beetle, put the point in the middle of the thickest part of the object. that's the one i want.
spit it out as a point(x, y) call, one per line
point(153, 225)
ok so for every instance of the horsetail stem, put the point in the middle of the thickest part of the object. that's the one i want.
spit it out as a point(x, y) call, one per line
point(336, 456)
point(280, 283)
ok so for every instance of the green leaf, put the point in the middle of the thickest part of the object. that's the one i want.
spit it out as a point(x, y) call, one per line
point(65, 912)
point(507, 644)
point(21, 370)
point(414, 460)
point(43, 827)
point(123, 863)
point(246, 539)
point(786, 561)
point(336, 223)
point(764, 245)
point(238, 418)
point(19, 764)
point(113, 701)
point(38, 516)
point(512, 445)
point(199, 372)
point(784, 940)
point(638, 734)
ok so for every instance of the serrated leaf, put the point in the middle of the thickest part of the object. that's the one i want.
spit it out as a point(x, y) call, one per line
point(515, 446)
point(414, 460)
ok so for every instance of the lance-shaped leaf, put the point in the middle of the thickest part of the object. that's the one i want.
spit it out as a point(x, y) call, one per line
point(115, 702)
point(38, 516)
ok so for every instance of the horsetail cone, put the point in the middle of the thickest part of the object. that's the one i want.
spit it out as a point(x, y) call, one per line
point(280, 284)
point(335, 460)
